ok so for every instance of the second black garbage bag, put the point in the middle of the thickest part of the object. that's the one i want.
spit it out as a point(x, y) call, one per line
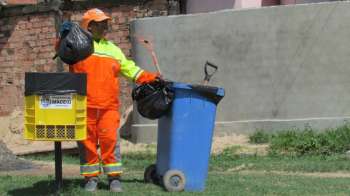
point(153, 100)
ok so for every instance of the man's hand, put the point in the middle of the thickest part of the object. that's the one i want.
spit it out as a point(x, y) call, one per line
point(147, 77)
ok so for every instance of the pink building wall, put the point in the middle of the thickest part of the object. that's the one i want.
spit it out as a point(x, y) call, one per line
point(247, 3)
point(197, 6)
point(288, 2)
point(270, 2)
point(291, 2)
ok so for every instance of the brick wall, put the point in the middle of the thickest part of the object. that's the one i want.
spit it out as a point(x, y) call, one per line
point(26, 43)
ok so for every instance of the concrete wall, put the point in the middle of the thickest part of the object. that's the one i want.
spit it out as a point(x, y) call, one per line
point(282, 67)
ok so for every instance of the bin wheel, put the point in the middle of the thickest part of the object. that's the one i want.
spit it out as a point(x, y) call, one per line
point(174, 181)
point(150, 175)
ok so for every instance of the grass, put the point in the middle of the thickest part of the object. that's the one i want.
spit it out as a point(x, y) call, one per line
point(223, 178)
point(229, 159)
point(49, 157)
point(134, 160)
point(232, 183)
point(305, 142)
point(230, 173)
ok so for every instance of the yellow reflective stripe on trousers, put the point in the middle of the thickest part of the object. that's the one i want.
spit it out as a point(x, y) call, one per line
point(113, 173)
point(112, 168)
point(90, 169)
point(112, 164)
point(89, 173)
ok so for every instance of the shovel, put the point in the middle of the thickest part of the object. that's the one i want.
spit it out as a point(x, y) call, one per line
point(209, 71)
point(149, 46)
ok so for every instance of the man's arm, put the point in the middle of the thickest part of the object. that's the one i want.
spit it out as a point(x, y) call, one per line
point(131, 71)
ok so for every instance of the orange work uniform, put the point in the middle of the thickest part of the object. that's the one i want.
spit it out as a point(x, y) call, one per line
point(103, 68)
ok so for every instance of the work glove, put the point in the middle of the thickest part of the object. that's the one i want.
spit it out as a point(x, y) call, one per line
point(147, 77)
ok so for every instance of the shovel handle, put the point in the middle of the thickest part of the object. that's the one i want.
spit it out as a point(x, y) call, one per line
point(206, 71)
point(149, 46)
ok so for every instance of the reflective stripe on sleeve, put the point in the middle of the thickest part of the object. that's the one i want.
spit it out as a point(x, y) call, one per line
point(137, 75)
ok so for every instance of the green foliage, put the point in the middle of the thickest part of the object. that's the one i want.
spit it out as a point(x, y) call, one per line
point(310, 142)
point(260, 137)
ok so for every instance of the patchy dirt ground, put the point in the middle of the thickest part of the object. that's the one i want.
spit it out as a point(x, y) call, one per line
point(45, 168)
point(11, 133)
point(219, 144)
point(8, 161)
point(222, 142)
point(41, 168)
point(306, 174)
point(12, 142)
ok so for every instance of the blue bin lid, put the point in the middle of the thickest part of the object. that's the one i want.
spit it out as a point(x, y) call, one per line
point(214, 94)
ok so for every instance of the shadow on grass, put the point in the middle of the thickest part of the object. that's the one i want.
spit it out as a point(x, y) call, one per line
point(134, 180)
point(48, 187)
point(45, 187)
point(103, 184)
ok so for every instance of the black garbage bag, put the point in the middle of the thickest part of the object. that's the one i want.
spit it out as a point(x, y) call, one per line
point(153, 100)
point(75, 44)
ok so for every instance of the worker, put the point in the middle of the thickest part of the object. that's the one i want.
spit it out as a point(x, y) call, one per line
point(103, 68)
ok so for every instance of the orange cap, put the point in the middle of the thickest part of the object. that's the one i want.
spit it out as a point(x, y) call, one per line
point(93, 15)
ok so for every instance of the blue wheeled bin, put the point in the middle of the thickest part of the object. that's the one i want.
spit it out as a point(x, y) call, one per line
point(184, 138)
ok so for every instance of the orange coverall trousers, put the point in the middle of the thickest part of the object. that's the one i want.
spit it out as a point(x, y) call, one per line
point(102, 126)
